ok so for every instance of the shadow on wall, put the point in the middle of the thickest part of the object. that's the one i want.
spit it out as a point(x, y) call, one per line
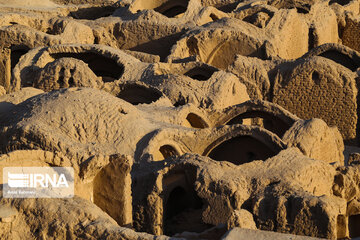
point(300, 6)
point(161, 46)
point(227, 8)
point(93, 13)
point(220, 52)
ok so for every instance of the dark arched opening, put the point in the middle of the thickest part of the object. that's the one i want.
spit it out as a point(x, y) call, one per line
point(106, 68)
point(242, 149)
point(182, 206)
point(176, 203)
point(168, 151)
point(315, 76)
point(303, 9)
point(172, 8)
point(137, 94)
point(196, 121)
point(340, 2)
point(354, 223)
point(16, 53)
point(340, 58)
point(202, 73)
point(270, 122)
point(214, 17)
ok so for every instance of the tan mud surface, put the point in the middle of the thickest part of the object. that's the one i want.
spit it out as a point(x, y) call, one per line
point(183, 119)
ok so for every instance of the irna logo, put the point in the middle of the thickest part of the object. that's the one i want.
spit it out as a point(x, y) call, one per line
point(38, 182)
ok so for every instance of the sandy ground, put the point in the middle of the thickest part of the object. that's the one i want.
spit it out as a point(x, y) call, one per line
point(28, 3)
